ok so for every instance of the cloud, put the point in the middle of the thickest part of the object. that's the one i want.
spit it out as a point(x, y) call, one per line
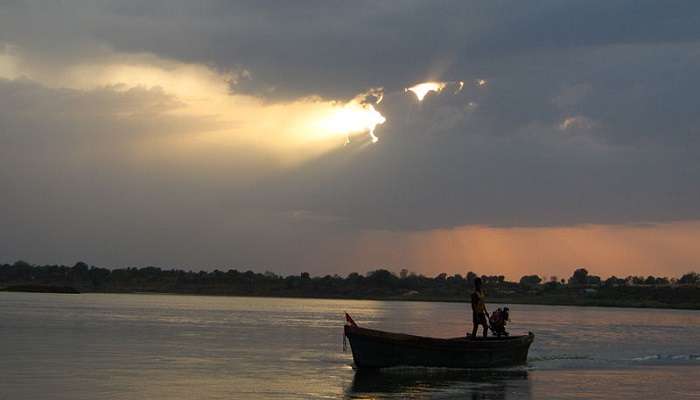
point(448, 38)
point(575, 122)
point(290, 131)
point(229, 119)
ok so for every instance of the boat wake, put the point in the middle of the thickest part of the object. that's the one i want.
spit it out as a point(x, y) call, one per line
point(584, 362)
point(668, 358)
point(557, 358)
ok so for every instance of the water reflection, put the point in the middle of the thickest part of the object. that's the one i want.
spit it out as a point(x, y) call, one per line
point(421, 383)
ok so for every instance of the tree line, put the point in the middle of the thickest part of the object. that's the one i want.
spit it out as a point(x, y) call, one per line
point(580, 288)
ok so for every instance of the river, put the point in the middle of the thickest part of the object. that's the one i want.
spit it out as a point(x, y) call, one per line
point(129, 346)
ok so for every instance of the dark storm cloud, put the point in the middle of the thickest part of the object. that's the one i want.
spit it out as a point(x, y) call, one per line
point(332, 48)
point(453, 168)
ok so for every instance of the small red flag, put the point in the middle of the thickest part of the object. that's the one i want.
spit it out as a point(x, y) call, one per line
point(349, 321)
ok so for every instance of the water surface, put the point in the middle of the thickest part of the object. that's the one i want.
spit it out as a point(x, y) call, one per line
point(112, 346)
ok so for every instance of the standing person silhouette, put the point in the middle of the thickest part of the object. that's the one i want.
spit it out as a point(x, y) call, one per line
point(479, 309)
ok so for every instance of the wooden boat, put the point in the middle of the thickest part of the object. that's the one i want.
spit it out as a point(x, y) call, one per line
point(378, 349)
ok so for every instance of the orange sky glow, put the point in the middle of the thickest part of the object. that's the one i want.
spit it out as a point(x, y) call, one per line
point(669, 249)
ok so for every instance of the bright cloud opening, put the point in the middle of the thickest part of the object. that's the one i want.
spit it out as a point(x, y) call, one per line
point(422, 89)
point(353, 117)
point(291, 131)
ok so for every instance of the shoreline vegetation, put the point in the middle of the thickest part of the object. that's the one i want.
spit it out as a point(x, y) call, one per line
point(40, 289)
point(581, 289)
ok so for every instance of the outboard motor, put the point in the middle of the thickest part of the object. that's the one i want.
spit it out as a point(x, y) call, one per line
point(498, 320)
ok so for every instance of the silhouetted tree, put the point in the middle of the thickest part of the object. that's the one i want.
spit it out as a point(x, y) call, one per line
point(636, 280)
point(382, 277)
point(530, 281)
point(579, 278)
point(614, 281)
point(691, 278)
point(593, 280)
point(650, 280)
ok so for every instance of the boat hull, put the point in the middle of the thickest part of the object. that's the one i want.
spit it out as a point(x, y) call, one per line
point(378, 349)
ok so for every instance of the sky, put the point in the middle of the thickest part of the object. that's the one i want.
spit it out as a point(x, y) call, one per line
point(502, 137)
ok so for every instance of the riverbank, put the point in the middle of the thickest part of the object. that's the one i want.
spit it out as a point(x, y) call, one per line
point(580, 290)
point(40, 289)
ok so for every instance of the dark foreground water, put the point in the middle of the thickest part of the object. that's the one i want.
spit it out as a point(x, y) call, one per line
point(104, 346)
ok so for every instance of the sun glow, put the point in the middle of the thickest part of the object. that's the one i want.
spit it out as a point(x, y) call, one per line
point(422, 89)
point(351, 118)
